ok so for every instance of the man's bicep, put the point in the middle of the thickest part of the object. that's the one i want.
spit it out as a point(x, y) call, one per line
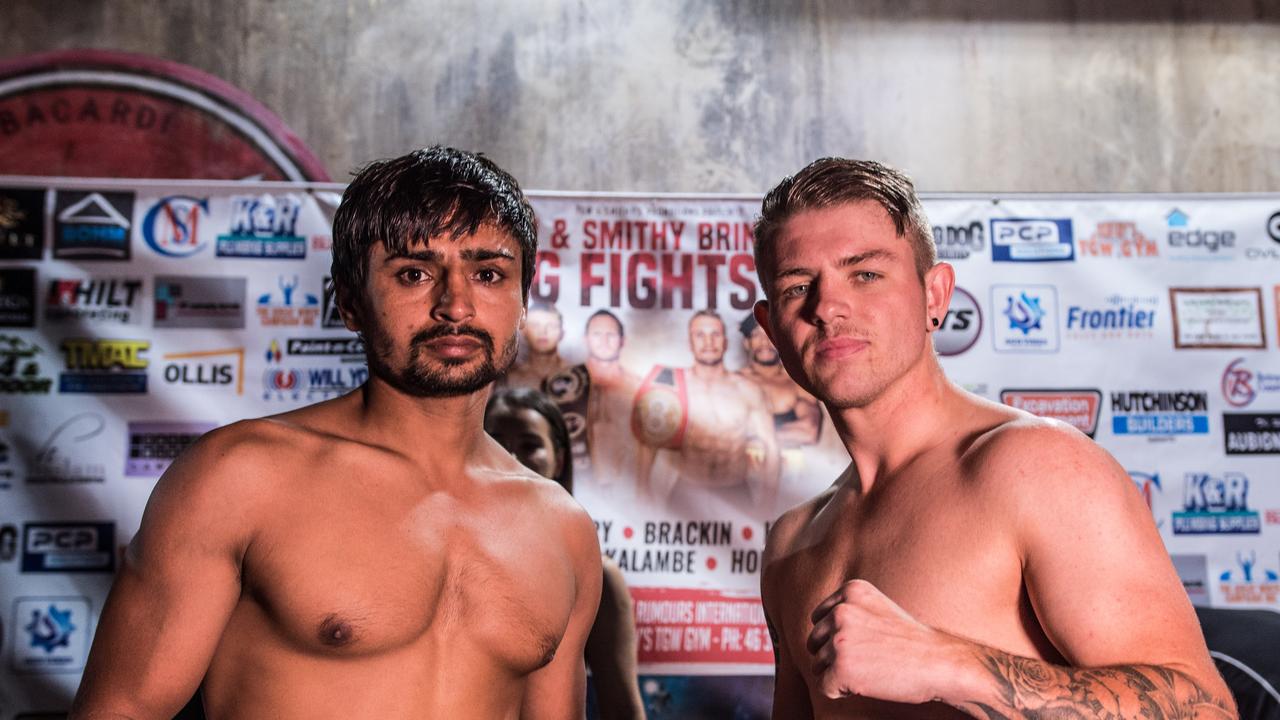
point(167, 608)
point(1099, 577)
point(790, 693)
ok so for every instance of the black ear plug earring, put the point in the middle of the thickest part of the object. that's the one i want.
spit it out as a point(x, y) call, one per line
point(935, 321)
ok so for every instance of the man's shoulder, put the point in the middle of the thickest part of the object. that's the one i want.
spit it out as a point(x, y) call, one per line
point(785, 532)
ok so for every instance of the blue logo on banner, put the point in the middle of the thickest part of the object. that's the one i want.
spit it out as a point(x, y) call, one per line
point(1031, 240)
point(170, 226)
point(50, 628)
point(264, 227)
point(1160, 413)
point(1216, 505)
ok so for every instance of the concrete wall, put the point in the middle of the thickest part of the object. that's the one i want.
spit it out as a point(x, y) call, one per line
point(694, 95)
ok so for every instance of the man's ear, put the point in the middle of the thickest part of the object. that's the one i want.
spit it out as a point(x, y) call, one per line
point(761, 311)
point(350, 318)
point(939, 282)
point(524, 312)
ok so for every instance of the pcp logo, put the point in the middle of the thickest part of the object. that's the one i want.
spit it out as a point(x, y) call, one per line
point(68, 547)
point(171, 226)
point(961, 326)
point(1031, 240)
point(1216, 505)
point(1030, 318)
point(55, 634)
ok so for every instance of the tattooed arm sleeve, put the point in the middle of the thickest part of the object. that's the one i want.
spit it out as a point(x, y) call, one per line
point(1026, 688)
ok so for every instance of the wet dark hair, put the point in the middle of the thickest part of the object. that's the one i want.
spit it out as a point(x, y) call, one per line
point(748, 325)
point(622, 331)
point(530, 399)
point(429, 193)
point(829, 182)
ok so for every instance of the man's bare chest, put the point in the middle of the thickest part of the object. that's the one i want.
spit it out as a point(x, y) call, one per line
point(359, 582)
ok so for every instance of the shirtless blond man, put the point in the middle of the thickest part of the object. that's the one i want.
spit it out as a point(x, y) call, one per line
point(543, 331)
point(376, 555)
point(613, 387)
point(728, 445)
point(797, 419)
point(973, 559)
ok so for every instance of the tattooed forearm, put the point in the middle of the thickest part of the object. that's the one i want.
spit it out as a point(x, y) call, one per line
point(1028, 688)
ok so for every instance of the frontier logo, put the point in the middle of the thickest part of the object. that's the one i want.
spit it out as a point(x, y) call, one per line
point(1077, 408)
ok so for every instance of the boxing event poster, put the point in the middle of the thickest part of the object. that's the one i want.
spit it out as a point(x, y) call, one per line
point(137, 315)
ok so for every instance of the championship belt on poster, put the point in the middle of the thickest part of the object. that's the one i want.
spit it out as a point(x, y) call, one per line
point(661, 410)
point(570, 390)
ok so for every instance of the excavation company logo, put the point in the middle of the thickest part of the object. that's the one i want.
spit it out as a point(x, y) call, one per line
point(200, 302)
point(1159, 414)
point(306, 383)
point(214, 369)
point(1120, 317)
point(153, 446)
point(54, 634)
point(1029, 318)
point(1031, 240)
point(19, 369)
point(17, 297)
point(288, 308)
point(961, 326)
point(347, 350)
point(92, 225)
point(115, 300)
point(1251, 433)
point(171, 226)
point(1246, 583)
point(1077, 408)
point(1216, 505)
point(68, 547)
point(1118, 239)
point(265, 226)
point(1187, 242)
point(104, 366)
point(67, 457)
point(958, 242)
point(21, 224)
point(1241, 385)
point(1148, 485)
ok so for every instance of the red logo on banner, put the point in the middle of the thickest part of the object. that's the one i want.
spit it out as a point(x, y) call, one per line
point(1078, 408)
point(678, 625)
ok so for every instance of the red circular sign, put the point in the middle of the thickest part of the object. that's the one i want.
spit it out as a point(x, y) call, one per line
point(92, 113)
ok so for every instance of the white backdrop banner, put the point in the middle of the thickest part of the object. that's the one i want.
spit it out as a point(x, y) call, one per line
point(137, 315)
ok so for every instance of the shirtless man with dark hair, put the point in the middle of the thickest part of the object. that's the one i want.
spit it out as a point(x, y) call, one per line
point(543, 331)
point(973, 559)
point(796, 415)
point(377, 555)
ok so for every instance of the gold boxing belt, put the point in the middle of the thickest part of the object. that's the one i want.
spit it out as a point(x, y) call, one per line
point(570, 390)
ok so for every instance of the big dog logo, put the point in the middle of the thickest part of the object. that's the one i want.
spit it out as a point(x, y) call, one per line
point(68, 547)
point(104, 366)
point(1216, 505)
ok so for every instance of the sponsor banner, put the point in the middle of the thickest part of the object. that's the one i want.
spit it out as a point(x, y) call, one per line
point(66, 456)
point(1251, 433)
point(1242, 383)
point(1121, 239)
point(1029, 318)
point(1188, 239)
point(20, 367)
point(51, 634)
point(64, 547)
point(94, 300)
point(1253, 579)
point(1077, 408)
point(1217, 318)
point(286, 307)
point(17, 297)
point(1117, 317)
point(1160, 414)
point(264, 226)
point(89, 225)
point(1031, 240)
point(153, 446)
point(199, 302)
point(21, 223)
point(171, 226)
point(1215, 504)
point(962, 325)
point(349, 349)
point(206, 369)
point(104, 366)
point(699, 626)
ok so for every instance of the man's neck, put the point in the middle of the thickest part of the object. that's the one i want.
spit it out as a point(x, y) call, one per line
point(768, 372)
point(544, 363)
point(909, 417)
point(603, 372)
point(709, 372)
point(419, 427)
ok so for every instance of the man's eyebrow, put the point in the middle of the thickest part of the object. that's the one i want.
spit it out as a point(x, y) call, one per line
point(483, 254)
point(849, 261)
point(419, 255)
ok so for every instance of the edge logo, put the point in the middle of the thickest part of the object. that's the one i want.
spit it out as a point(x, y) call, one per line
point(105, 366)
point(1031, 240)
point(1078, 408)
point(1216, 505)
point(1196, 243)
point(171, 226)
point(68, 547)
